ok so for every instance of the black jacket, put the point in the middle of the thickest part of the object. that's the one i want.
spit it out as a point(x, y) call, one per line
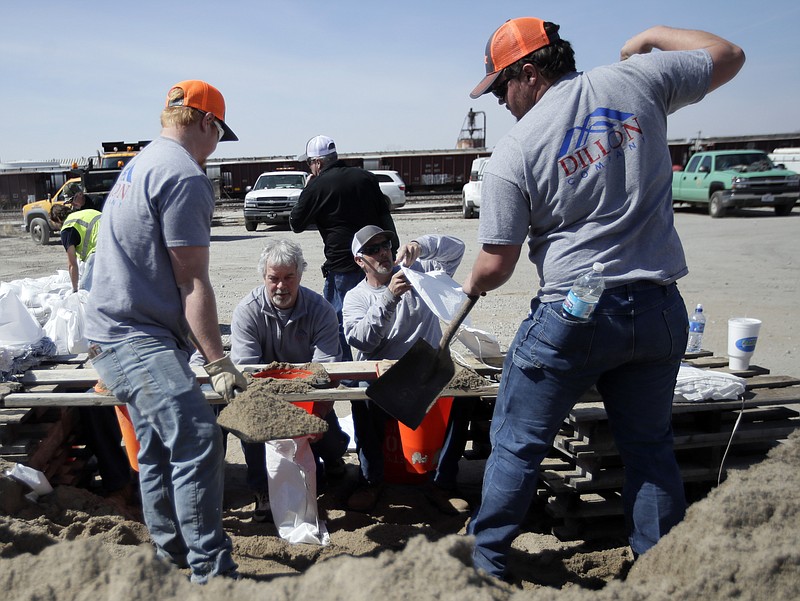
point(340, 201)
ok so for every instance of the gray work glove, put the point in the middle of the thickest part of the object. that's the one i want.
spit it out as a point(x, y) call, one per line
point(225, 377)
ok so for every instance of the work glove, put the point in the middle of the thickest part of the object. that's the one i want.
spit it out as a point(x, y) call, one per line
point(225, 377)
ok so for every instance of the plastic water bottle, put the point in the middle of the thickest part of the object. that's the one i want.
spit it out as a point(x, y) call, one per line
point(697, 324)
point(584, 294)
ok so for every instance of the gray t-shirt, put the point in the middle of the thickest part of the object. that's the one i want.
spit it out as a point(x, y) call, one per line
point(586, 174)
point(162, 199)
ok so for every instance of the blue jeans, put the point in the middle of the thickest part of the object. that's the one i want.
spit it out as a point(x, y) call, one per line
point(337, 284)
point(455, 440)
point(631, 350)
point(180, 457)
point(369, 426)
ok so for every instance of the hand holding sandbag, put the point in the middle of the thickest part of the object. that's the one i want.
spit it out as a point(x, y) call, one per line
point(225, 377)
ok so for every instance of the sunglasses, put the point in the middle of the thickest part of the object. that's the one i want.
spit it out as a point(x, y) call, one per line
point(374, 249)
point(217, 124)
point(501, 89)
point(220, 130)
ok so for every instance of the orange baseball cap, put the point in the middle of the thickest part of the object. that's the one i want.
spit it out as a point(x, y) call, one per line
point(511, 41)
point(204, 97)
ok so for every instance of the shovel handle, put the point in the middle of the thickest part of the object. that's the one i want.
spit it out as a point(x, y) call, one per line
point(452, 327)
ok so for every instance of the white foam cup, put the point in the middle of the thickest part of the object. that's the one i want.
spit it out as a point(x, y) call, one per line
point(742, 337)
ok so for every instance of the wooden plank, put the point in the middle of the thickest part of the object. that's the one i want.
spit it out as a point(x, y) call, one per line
point(746, 433)
point(789, 395)
point(721, 364)
point(613, 478)
point(343, 370)
point(91, 399)
point(769, 381)
point(12, 416)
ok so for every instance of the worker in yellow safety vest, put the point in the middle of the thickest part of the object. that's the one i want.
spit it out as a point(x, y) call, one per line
point(79, 236)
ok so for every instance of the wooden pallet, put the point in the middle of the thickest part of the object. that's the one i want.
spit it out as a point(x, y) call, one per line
point(584, 474)
point(45, 437)
point(39, 426)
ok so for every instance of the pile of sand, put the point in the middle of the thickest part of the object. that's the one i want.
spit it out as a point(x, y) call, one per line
point(739, 542)
point(259, 414)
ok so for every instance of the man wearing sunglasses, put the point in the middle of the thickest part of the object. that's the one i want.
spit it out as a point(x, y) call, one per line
point(585, 176)
point(154, 307)
point(383, 317)
point(340, 200)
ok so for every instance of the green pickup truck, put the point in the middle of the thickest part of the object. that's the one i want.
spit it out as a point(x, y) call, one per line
point(732, 179)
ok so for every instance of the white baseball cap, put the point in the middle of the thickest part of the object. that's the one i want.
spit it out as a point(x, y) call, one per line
point(318, 146)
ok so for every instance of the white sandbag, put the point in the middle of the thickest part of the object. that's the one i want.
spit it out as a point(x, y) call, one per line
point(66, 324)
point(292, 478)
point(694, 384)
point(18, 328)
point(482, 344)
point(439, 291)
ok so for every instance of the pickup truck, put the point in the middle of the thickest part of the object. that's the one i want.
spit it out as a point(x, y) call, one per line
point(97, 183)
point(726, 179)
point(272, 198)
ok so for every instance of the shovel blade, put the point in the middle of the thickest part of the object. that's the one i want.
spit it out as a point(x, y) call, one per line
point(410, 387)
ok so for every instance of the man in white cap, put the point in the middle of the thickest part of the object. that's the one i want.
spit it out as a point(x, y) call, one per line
point(383, 318)
point(339, 200)
point(155, 306)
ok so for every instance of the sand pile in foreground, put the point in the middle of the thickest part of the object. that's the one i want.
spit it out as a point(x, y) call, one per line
point(740, 542)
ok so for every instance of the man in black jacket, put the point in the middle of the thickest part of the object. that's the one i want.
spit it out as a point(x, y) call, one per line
point(340, 200)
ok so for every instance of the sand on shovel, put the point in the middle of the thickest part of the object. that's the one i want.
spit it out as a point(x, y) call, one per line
point(467, 379)
point(259, 415)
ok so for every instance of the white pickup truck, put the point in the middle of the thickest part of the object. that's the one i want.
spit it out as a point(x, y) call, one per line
point(471, 192)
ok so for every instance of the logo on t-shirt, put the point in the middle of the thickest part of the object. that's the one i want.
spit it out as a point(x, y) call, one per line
point(604, 134)
point(122, 185)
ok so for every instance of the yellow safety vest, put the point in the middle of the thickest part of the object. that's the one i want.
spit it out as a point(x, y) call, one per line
point(87, 224)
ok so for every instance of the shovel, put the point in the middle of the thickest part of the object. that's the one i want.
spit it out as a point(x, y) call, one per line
point(409, 388)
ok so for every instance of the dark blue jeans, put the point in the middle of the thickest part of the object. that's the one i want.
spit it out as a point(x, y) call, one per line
point(631, 350)
point(337, 284)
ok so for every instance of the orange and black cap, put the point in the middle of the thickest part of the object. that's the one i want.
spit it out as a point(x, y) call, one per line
point(513, 40)
point(206, 98)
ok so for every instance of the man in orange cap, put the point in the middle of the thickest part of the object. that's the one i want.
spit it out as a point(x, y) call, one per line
point(155, 304)
point(585, 176)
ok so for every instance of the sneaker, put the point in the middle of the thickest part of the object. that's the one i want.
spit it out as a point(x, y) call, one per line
point(262, 511)
point(447, 501)
point(365, 497)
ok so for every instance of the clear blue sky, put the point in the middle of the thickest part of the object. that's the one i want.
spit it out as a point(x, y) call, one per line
point(375, 76)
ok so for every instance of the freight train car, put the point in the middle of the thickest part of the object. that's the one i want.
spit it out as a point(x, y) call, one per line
point(428, 172)
point(424, 172)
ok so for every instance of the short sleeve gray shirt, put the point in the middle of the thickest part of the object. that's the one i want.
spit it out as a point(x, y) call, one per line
point(586, 174)
point(161, 200)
